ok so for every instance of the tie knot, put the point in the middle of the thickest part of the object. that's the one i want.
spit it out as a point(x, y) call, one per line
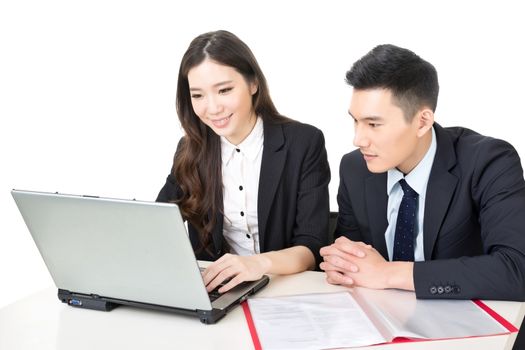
point(407, 190)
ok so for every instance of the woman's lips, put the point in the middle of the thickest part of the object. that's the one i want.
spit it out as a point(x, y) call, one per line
point(221, 123)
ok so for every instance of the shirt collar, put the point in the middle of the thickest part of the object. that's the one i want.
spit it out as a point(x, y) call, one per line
point(418, 177)
point(249, 147)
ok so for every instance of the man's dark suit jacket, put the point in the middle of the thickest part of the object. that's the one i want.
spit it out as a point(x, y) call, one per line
point(292, 204)
point(474, 220)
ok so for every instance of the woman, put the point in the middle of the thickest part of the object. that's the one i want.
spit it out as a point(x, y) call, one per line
point(252, 184)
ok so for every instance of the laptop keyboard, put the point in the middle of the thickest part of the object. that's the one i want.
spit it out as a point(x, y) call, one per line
point(214, 294)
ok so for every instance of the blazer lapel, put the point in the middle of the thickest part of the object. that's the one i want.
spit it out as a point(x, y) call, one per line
point(218, 236)
point(272, 166)
point(376, 205)
point(440, 189)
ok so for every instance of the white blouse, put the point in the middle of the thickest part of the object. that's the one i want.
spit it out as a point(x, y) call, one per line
point(241, 167)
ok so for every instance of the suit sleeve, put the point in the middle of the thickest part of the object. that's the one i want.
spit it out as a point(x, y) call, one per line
point(311, 227)
point(346, 221)
point(498, 195)
point(171, 190)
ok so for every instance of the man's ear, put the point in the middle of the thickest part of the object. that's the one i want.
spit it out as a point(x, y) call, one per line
point(425, 120)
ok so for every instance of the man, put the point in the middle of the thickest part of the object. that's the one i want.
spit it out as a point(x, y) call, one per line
point(437, 210)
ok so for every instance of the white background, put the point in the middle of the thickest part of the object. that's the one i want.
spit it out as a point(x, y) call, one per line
point(87, 88)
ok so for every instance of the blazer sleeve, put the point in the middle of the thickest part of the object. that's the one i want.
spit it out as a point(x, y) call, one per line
point(346, 220)
point(171, 190)
point(498, 195)
point(311, 221)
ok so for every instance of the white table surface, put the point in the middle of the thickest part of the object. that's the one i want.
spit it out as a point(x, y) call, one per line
point(42, 322)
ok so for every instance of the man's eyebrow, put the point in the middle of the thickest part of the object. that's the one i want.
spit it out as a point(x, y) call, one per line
point(367, 118)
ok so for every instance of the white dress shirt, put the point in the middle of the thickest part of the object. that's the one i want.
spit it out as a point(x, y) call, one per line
point(418, 180)
point(241, 167)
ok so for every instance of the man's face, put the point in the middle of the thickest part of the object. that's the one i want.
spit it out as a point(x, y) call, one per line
point(382, 133)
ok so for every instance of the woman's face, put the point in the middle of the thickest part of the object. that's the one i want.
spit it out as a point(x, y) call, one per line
point(222, 99)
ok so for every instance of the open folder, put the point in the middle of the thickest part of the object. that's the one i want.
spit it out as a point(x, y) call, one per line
point(363, 317)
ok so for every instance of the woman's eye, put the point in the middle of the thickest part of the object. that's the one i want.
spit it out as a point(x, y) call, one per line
point(225, 90)
point(196, 95)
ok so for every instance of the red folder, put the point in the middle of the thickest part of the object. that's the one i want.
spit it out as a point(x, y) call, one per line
point(509, 326)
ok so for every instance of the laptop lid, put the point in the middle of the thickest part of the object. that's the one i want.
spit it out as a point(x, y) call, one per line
point(121, 251)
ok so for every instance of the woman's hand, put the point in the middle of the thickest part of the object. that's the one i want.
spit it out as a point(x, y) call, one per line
point(234, 269)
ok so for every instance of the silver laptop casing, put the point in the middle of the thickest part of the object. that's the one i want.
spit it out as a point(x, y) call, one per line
point(122, 251)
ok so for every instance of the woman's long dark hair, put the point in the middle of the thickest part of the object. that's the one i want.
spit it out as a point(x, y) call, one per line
point(197, 164)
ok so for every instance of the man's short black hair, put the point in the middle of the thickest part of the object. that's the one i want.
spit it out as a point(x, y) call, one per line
point(412, 80)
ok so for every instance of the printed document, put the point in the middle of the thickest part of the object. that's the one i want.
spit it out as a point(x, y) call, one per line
point(364, 317)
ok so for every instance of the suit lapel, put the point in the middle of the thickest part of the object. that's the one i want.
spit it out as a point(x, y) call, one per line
point(440, 189)
point(272, 166)
point(218, 236)
point(376, 205)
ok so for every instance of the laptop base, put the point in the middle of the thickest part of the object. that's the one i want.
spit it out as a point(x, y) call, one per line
point(85, 301)
point(95, 302)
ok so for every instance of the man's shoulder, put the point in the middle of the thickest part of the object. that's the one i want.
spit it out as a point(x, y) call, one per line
point(460, 134)
point(468, 143)
point(473, 154)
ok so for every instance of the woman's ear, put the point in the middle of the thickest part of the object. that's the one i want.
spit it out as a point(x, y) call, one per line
point(254, 86)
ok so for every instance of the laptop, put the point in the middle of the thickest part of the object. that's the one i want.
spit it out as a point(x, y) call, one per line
point(104, 252)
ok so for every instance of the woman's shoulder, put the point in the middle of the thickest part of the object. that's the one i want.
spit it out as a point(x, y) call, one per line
point(297, 137)
point(294, 128)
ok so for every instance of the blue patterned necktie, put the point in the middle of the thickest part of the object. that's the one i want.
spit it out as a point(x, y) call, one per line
point(406, 224)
